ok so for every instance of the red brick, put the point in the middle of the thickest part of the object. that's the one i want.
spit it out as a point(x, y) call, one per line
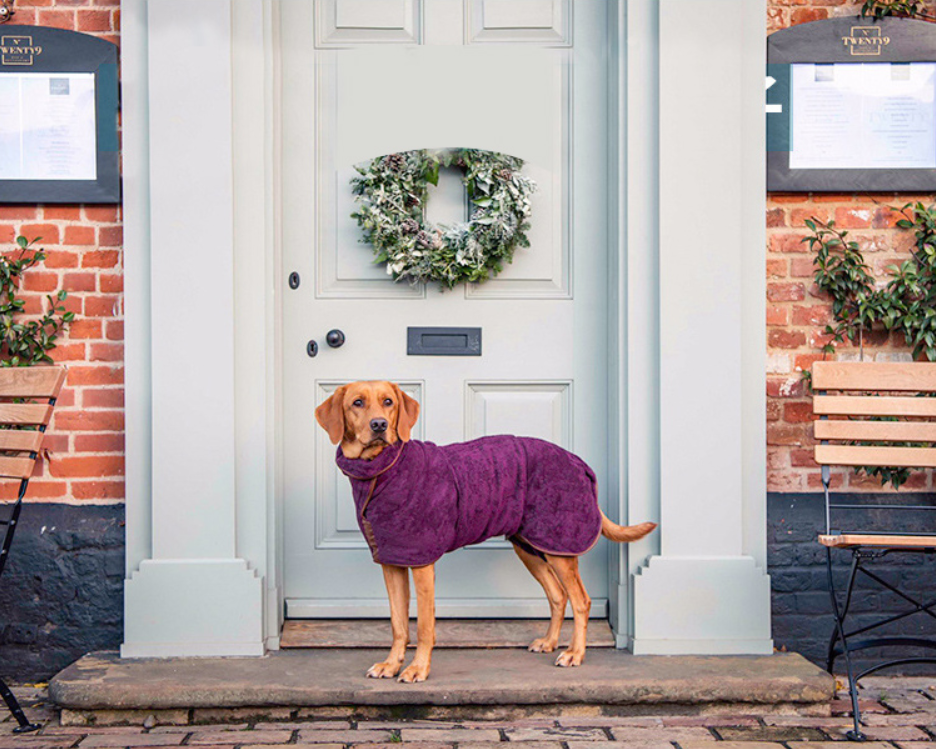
point(41, 489)
point(38, 281)
point(776, 217)
point(115, 330)
point(779, 338)
point(807, 15)
point(799, 216)
point(885, 218)
point(41, 233)
point(784, 481)
point(105, 214)
point(813, 315)
point(802, 267)
point(86, 329)
point(8, 234)
point(774, 410)
point(786, 292)
point(853, 218)
point(87, 466)
point(786, 387)
point(819, 339)
point(102, 398)
point(111, 283)
point(802, 459)
point(98, 489)
point(830, 197)
point(95, 375)
point(788, 243)
point(89, 421)
point(804, 362)
point(798, 412)
point(95, 20)
point(79, 282)
point(69, 352)
point(777, 267)
point(100, 259)
point(836, 481)
point(785, 434)
point(102, 306)
point(107, 352)
point(79, 235)
point(110, 442)
point(786, 197)
point(61, 212)
point(19, 212)
point(111, 236)
point(59, 19)
point(61, 259)
point(778, 315)
point(56, 443)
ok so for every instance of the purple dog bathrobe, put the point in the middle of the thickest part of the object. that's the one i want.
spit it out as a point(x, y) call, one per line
point(417, 500)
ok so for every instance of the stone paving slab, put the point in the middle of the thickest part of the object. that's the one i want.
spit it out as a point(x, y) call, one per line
point(459, 677)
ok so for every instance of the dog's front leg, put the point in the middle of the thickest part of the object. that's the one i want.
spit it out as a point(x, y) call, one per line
point(397, 580)
point(424, 580)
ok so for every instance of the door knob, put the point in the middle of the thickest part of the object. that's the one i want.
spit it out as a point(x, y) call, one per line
point(312, 348)
point(335, 338)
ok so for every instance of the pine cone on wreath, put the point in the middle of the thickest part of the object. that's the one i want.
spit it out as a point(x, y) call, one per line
point(409, 226)
point(395, 162)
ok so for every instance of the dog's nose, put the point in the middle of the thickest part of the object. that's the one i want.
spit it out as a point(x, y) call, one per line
point(378, 425)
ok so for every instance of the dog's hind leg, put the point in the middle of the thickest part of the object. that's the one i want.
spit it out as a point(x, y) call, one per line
point(566, 569)
point(397, 580)
point(555, 594)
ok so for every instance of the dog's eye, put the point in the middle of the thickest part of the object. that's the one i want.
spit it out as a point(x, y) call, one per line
point(359, 402)
point(387, 402)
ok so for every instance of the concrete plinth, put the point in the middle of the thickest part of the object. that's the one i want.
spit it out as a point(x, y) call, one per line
point(469, 677)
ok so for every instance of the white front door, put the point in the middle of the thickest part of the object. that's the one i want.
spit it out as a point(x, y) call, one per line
point(364, 78)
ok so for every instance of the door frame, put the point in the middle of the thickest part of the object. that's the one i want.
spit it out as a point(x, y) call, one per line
point(220, 224)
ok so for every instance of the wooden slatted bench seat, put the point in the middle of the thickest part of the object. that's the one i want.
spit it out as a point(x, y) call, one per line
point(874, 414)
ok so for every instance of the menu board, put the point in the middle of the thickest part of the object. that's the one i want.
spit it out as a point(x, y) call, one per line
point(863, 115)
point(47, 126)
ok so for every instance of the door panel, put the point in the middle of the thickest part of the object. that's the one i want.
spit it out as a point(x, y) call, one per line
point(360, 80)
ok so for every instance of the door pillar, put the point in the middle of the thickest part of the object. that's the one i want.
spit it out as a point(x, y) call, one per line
point(189, 592)
point(704, 588)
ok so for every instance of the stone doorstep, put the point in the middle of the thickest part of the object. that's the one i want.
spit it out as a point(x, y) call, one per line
point(466, 684)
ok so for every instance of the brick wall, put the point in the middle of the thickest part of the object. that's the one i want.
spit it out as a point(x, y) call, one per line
point(797, 313)
point(85, 257)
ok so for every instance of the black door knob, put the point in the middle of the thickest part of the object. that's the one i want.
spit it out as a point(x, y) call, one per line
point(312, 348)
point(335, 338)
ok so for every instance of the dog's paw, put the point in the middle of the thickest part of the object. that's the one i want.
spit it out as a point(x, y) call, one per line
point(569, 658)
point(385, 670)
point(414, 673)
point(542, 645)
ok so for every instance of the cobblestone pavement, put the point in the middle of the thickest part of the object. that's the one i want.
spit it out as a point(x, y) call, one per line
point(900, 713)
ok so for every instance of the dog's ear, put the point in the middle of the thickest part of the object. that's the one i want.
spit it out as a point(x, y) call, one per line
point(407, 413)
point(331, 415)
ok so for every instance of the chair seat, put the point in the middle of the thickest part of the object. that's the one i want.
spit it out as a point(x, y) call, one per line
point(849, 540)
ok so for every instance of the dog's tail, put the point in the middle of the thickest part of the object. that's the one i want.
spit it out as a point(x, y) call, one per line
point(624, 534)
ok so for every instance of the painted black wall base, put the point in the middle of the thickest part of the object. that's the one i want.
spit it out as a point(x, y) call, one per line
point(61, 594)
point(802, 619)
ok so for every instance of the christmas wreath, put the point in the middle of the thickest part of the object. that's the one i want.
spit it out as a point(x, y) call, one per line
point(392, 192)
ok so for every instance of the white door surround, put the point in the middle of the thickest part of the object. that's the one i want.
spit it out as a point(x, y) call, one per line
point(204, 405)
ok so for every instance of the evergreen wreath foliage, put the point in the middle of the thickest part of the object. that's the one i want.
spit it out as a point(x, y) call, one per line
point(392, 193)
point(900, 8)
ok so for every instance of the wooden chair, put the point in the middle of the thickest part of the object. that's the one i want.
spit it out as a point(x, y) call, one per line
point(883, 419)
point(27, 396)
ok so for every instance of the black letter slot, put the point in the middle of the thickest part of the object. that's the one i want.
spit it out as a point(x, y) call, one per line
point(443, 341)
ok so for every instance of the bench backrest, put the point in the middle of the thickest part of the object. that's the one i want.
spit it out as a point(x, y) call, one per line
point(27, 396)
point(880, 416)
point(866, 393)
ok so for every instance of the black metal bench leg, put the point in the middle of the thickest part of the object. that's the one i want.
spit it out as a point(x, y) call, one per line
point(855, 734)
point(10, 699)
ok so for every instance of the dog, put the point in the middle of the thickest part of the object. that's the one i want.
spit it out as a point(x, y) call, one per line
point(416, 500)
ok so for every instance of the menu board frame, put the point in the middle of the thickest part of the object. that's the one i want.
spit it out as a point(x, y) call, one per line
point(849, 39)
point(89, 172)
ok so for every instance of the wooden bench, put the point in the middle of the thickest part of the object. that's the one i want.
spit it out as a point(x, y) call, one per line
point(874, 414)
point(27, 396)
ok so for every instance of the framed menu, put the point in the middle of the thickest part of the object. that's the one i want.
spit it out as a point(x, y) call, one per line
point(58, 117)
point(852, 106)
